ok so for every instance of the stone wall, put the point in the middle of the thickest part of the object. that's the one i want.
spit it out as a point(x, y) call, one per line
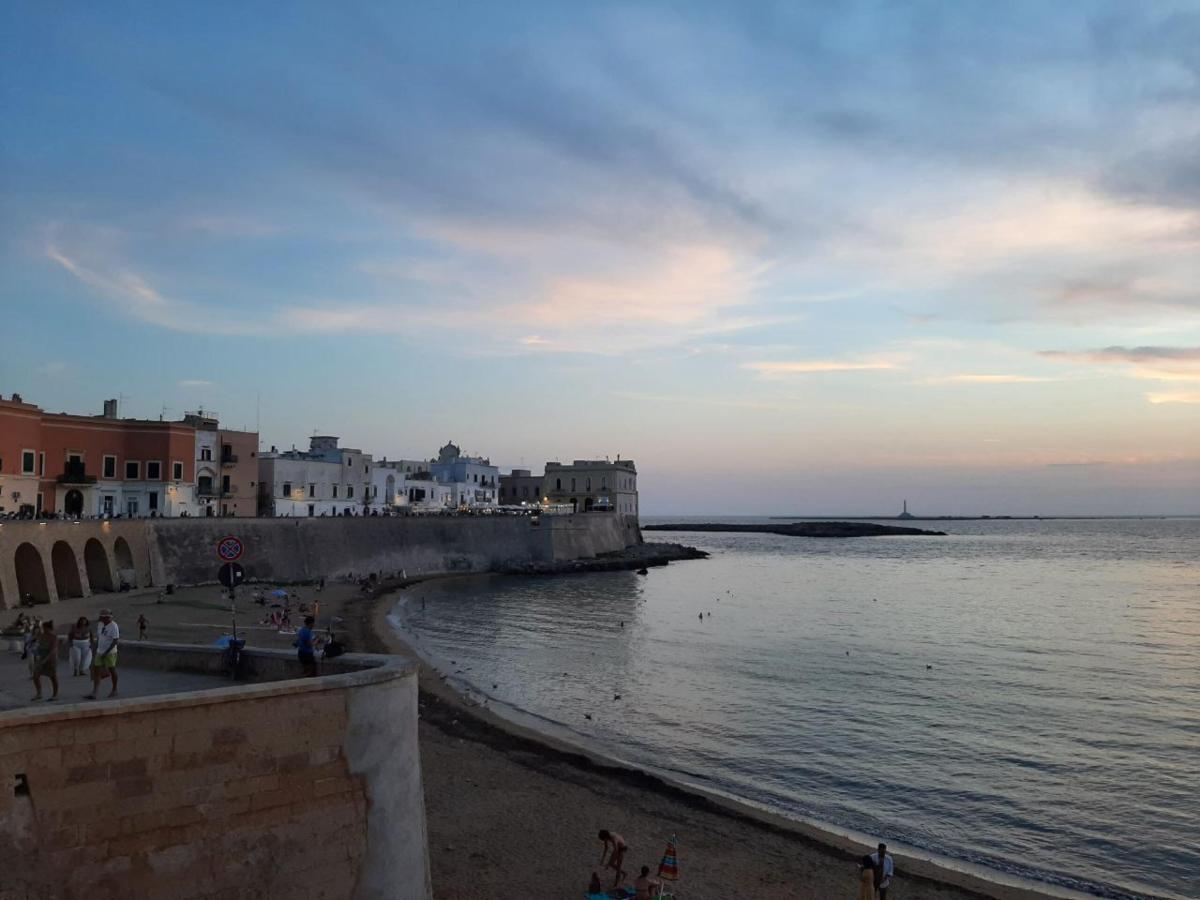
point(306, 787)
point(49, 560)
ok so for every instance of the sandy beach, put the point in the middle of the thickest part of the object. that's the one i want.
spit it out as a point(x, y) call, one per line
point(512, 812)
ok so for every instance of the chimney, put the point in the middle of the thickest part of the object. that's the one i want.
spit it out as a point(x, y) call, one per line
point(110, 409)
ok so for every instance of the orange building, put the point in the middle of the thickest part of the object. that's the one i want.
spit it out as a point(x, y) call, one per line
point(93, 465)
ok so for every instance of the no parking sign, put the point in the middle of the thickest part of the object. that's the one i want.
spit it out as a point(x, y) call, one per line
point(229, 548)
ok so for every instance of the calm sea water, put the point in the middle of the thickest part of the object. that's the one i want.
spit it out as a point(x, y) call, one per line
point(1022, 695)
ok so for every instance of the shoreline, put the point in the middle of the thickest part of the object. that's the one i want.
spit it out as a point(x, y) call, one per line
point(454, 714)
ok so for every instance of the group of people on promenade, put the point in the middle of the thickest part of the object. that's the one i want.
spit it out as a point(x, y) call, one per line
point(92, 651)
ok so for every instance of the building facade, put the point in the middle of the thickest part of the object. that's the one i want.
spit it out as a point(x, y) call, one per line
point(593, 485)
point(476, 481)
point(325, 480)
point(521, 488)
point(226, 468)
point(78, 466)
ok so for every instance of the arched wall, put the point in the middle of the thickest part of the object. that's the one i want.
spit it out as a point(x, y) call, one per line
point(66, 571)
point(126, 573)
point(31, 574)
point(99, 572)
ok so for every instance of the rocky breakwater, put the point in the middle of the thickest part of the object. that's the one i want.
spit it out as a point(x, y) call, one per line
point(639, 556)
point(803, 529)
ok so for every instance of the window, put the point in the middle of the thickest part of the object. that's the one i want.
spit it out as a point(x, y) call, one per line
point(366, 468)
point(206, 454)
point(572, 484)
point(312, 492)
point(110, 467)
point(349, 491)
point(558, 484)
point(287, 489)
point(42, 463)
point(312, 510)
point(153, 472)
point(28, 461)
point(177, 471)
point(588, 484)
point(133, 470)
point(204, 485)
point(349, 463)
point(153, 501)
point(524, 490)
point(224, 484)
point(335, 492)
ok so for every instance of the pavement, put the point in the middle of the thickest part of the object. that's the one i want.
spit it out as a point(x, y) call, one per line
point(16, 687)
point(199, 615)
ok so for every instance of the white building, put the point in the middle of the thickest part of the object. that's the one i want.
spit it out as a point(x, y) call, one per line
point(325, 480)
point(476, 481)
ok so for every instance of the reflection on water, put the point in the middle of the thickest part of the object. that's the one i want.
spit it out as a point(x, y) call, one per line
point(1024, 694)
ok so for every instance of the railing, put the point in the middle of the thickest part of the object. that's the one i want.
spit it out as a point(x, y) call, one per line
point(229, 459)
point(75, 473)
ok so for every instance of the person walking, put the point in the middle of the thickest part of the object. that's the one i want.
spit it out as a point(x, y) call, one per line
point(81, 646)
point(45, 656)
point(883, 869)
point(143, 623)
point(104, 662)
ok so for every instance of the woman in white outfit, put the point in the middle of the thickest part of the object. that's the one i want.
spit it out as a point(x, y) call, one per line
point(81, 647)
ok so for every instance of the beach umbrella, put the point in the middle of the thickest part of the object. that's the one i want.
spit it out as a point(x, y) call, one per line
point(668, 869)
point(279, 592)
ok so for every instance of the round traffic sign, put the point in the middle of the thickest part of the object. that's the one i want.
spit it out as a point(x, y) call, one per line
point(229, 548)
point(231, 574)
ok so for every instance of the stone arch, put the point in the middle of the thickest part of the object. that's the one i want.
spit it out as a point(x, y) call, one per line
point(31, 574)
point(99, 572)
point(126, 573)
point(66, 571)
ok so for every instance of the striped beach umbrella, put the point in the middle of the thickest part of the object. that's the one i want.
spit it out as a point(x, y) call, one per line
point(668, 869)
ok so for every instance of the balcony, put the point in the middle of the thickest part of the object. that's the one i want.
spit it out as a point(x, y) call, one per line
point(229, 459)
point(75, 473)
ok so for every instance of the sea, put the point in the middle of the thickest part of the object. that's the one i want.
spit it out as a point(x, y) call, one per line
point(1021, 695)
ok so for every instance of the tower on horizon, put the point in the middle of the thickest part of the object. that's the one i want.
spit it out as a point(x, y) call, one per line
point(905, 514)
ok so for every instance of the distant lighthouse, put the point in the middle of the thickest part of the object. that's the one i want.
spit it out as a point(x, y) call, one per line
point(905, 514)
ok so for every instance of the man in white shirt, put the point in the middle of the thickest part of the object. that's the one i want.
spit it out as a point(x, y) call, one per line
point(108, 635)
point(883, 870)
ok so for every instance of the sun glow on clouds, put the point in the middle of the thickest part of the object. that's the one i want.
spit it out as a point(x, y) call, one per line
point(814, 367)
point(1174, 397)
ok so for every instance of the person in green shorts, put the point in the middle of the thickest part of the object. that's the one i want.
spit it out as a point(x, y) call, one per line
point(104, 662)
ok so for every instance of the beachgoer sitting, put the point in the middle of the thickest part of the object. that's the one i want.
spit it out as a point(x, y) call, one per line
point(615, 849)
point(644, 885)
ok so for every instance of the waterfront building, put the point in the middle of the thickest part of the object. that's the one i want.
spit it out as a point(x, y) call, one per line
point(389, 482)
point(73, 465)
point(325, 480)
point(593, 485)
point(475, 481)
point(520, 488)
point(226, 468)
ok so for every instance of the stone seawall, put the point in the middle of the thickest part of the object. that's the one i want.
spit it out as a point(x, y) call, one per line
point(292, 788)
point(52, 560)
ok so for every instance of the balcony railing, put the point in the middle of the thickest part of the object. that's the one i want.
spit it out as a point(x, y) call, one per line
point(229, 459)
point(75, 473)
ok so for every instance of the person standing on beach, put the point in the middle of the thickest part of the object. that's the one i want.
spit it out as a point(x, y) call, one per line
point(866, 879)
point(614, 848)
point(104, 660)
point(884, 867)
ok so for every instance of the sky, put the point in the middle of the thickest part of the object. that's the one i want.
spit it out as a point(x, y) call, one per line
point(793, 258)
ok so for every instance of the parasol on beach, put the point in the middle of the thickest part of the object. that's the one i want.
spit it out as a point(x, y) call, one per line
point(279, 592)
point(668, 869)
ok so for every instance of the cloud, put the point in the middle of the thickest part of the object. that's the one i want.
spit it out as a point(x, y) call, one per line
point(778, 369)
point(195, 383)
point(971, 378)
point(1149, 362)
point(1174, 397)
